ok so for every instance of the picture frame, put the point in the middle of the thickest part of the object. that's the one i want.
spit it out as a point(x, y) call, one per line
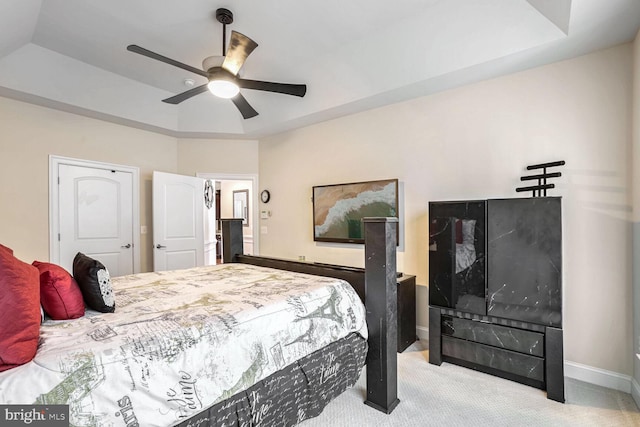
point(241, 206)
point(338, 209)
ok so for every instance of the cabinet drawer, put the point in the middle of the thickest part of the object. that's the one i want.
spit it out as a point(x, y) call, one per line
point(523, 365)
point(522, 341)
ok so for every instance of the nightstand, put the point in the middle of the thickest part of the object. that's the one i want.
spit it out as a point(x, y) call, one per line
point(406, 311)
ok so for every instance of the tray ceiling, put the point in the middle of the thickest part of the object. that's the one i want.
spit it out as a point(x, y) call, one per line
point(353, 56)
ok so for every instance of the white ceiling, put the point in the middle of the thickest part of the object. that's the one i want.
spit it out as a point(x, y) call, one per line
point(353, 55)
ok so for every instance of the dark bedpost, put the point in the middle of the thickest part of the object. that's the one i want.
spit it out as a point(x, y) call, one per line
point(381, 302)
point(231, 239)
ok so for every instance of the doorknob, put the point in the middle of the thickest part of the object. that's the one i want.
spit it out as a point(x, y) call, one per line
point(127, 246)
point(159, 246)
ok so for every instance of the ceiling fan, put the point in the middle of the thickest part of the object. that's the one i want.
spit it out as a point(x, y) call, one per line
point(222, 71)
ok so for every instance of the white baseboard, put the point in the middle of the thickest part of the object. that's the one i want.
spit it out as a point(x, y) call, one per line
point(635, 391)
point(422, 333)
point(586, 373)
point(601, 377)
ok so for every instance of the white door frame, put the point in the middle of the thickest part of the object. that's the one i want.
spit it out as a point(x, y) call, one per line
point(254, 198)
point(54, 220)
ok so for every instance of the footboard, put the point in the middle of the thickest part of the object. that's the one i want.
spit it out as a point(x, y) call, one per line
point(353, 275)
point(375, 284)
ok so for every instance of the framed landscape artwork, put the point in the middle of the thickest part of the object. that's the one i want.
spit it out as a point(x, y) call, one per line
point(338, 209)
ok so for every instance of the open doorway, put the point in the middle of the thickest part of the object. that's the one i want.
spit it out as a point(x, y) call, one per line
point(234, 198)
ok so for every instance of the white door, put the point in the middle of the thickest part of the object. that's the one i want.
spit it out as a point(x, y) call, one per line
point(96, 217)
point(178, 225)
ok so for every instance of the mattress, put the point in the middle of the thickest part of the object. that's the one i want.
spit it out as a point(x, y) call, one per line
point(182, 341)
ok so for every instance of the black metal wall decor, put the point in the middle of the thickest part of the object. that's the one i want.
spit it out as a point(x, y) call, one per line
point(540, 190)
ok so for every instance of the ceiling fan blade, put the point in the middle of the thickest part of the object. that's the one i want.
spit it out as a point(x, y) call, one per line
point(286, 88)
point(145, 52)
point(240, 47)
point(186, 95)
point(244, 107)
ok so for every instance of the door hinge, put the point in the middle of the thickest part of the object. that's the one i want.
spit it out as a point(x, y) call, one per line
point(58, 237)
point(58, 180)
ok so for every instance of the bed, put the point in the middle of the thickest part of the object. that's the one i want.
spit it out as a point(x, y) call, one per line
point(257, 341)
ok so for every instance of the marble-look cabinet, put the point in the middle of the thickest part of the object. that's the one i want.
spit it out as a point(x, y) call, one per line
point(524, 262)
point(495, 288)
point(457, 255)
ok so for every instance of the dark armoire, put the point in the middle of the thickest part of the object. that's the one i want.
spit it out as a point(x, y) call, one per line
point(495, 288)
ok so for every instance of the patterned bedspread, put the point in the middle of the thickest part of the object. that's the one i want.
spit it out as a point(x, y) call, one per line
point(181, 341)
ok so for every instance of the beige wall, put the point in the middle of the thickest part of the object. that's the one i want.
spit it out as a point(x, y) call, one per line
point(636, 216)
point(474, 142)
point(29, 134)
point(220, 156)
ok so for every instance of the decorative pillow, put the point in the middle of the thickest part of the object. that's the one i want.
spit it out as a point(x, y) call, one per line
point(60, 294)
point(19, 311)
point(95, 283)
point(4, 248)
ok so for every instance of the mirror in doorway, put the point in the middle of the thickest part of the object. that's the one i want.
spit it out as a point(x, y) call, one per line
point(241, 206)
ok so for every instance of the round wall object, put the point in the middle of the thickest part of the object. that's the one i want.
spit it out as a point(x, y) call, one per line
point(208, 194)
point(265, 196)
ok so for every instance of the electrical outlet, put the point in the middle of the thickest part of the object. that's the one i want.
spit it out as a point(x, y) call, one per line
point(143, 229)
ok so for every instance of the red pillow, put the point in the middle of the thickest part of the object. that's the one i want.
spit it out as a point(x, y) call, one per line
point(60, 294)
point(19, 311)
point(4, 248)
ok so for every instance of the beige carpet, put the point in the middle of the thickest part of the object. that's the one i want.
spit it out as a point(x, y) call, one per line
point(450, 395)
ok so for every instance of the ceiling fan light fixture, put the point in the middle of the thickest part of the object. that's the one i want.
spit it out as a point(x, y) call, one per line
point(212, 62)
point(223, 72)
point(223, 88)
